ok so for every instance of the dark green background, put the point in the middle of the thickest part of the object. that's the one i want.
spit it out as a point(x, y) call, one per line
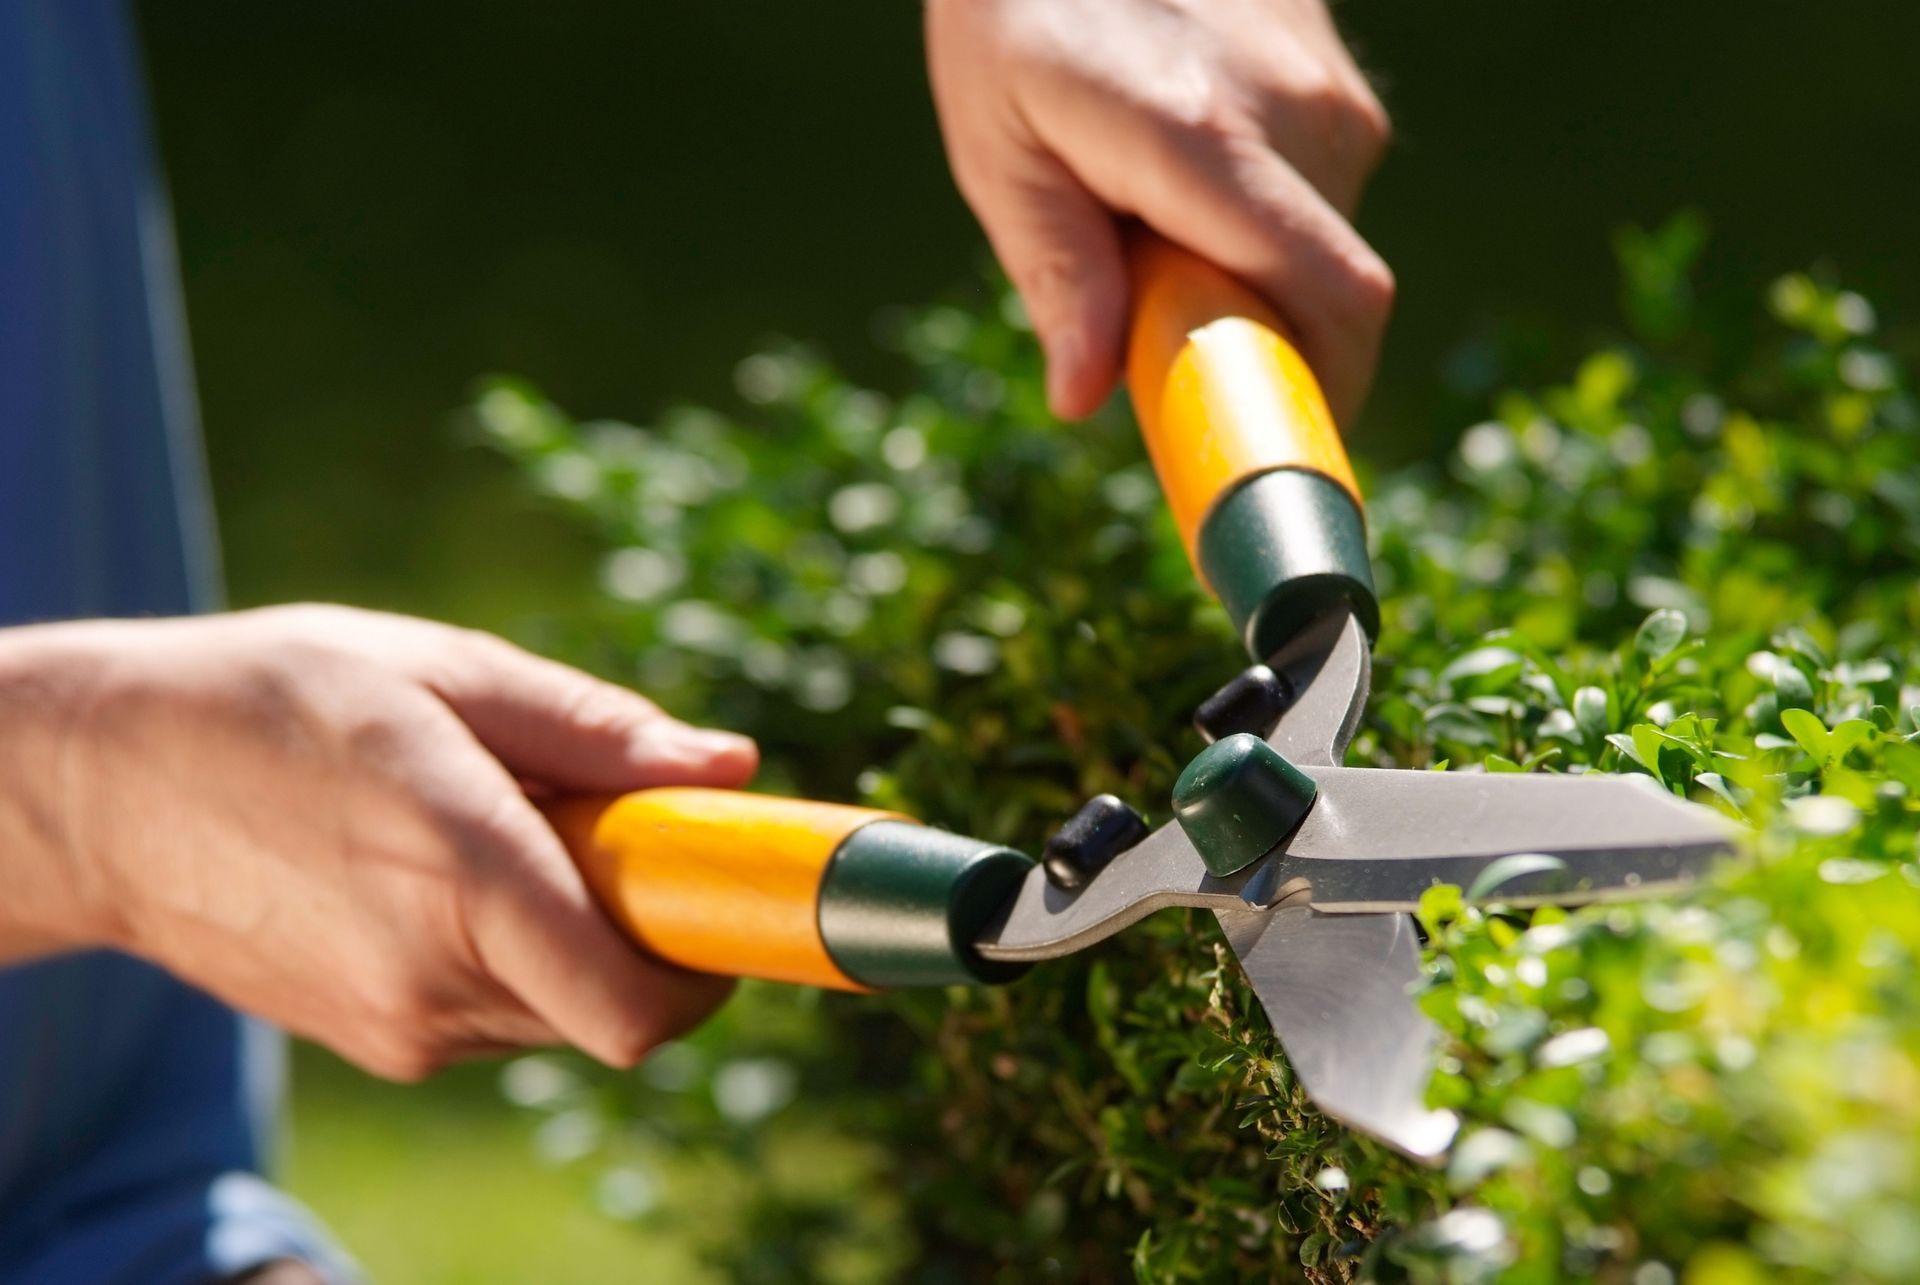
point(378, 202)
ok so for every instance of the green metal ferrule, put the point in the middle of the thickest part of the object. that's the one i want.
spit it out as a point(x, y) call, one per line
point(901, 905)
point(1282, 547)
point(1237, 799)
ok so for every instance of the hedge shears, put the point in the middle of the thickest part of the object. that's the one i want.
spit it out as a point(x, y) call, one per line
point(1311, 867)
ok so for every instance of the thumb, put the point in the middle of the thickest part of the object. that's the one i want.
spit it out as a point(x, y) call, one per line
point(570, 731)
point(1061, 248)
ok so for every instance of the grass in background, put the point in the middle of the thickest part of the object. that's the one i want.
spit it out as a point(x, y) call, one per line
point(436, 1183)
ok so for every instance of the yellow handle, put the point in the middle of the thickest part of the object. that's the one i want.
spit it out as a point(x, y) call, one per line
point(1220, 392)
point(718, 881)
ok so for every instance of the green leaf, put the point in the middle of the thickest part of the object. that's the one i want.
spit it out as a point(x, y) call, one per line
point(1590, 712)
point(1484, 669)
point(1792, 687)
point(1660, 633)
point(1629, 750)
point(1647, 744)
point(1798, 641)
point(1828, 749)
point(1847, 737)
point(1719, 785)
point(1806, 728)
point(1440, 905)
point(1483, 1153)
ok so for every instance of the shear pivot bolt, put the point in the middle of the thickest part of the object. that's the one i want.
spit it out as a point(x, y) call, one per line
point(1252, 701)
point(1237, 799)
point(1101, 830)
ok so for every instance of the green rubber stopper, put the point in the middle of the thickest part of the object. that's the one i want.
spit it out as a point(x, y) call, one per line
point(901, 905)
point(1282, 547)
point(1237, 799)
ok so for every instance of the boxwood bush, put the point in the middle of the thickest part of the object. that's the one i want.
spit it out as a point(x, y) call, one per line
point(1690, 560)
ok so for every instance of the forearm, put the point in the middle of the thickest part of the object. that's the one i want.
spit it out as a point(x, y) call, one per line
point(44, 684)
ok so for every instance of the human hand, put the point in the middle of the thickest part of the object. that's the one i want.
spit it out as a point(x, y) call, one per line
point(1240, 129)
point(318, 815)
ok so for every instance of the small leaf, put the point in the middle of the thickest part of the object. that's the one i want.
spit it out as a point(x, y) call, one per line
point(1482, 1153)
point(1647, 744)
point(1660, 633)
point(1798, 640)
point(1847, 736)
point(1863, 673)
point(1721, 789)
point(1792, 687)
point(1559, 725)
point(1590, 711)
point(1624, 743)
point(1823, 815)
point(1439, 906)
point(1571, 1047)
point(1806, 728)
point(1484, 668)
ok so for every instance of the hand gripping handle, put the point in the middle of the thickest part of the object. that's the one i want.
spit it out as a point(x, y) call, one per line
point(751, 885)
point(1246, 450)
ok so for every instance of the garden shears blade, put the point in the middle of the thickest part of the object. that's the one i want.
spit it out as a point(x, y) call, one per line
point(1318, 921)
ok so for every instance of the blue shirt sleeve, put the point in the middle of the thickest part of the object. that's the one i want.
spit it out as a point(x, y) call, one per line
point(134, 1111)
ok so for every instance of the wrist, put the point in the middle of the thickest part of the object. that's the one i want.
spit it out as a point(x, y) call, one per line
point(52, 900)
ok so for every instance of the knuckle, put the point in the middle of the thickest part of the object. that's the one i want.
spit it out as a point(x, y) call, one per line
point(1373, 287)
point(376, 735)
point(467, 657)
point(404, 1062)
point(599, 709)
point(627, 1043)
point(1344, 114)
point(497, 846)
point(1367, 118)
point(402, 1014)
point(403, 1056)
point(1359, 128)
point(1049, 281)
point(479, 643)
point(1203, 116)
point(401, 1002)
point(312, 621)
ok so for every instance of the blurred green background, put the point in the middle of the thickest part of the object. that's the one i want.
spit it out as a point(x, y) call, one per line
point(618, 200)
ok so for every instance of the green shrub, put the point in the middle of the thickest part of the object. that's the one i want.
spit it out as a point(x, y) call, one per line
point(1687, 561)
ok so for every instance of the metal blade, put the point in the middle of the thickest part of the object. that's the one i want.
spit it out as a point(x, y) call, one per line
point(1329, 669)
point(1377, 839)
point(1335, 985)
point(1045, 921)
point(1335, 989)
